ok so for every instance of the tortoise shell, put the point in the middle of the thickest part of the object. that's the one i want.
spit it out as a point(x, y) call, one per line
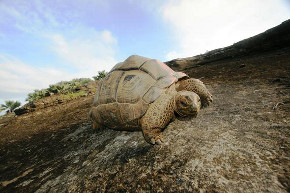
point(125, 94)
point(137, 78)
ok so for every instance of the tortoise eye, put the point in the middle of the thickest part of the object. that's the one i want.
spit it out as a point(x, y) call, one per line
point(183, 103)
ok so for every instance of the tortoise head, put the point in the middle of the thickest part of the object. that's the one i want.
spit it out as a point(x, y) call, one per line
point(187, 104)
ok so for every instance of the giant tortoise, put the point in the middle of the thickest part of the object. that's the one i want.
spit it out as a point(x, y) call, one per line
point(142, 94)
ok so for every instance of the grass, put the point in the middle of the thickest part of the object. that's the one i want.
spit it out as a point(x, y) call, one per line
point(70, 96)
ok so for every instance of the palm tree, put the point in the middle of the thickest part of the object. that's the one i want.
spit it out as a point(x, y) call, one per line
point(9, 105)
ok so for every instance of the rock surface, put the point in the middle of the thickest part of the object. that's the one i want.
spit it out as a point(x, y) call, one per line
point(238, 144)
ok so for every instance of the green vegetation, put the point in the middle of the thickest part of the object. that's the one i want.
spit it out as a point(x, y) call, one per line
point(62, 88)
point(9, 105)
point(101, 74)
point(37, 94)
point(72, 95)
point(65, 89)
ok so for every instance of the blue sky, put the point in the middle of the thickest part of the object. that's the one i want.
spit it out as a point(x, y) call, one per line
point(43, 42)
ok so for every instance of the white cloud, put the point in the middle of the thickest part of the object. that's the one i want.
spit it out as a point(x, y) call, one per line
point(107, 36)
point(20, 78)
point(79, 47)
point(89, 51)
point(80, 50)
point(199, 26)
point(17, 78)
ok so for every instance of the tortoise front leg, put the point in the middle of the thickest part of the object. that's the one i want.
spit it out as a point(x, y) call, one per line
point(157, 117)
point(197, 86)
point(153, 135)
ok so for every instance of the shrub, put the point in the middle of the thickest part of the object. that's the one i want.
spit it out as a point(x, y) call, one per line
point(53, 88)
point(63, 87)
point(37, 94)
point(101, 74)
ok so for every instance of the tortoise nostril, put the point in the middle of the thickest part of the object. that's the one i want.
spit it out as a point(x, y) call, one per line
point(194, 108)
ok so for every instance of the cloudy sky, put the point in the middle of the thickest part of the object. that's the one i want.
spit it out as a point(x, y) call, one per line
point(43, 42)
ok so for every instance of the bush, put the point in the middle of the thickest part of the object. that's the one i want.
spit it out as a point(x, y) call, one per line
point(101, 74)
point(37, 94)
point(53, 88)
point(63, 87)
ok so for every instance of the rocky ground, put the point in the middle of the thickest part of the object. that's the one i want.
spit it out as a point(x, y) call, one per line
point(238, 144)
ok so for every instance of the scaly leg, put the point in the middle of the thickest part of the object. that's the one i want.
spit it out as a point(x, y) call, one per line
point(94, 117)
point(97, 125)
point(157, 117)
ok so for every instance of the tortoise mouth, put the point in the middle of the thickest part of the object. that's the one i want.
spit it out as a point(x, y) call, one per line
point(194, 115)
point(187, 114)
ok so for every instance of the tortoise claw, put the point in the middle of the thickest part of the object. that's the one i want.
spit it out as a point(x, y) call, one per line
point(158, 142)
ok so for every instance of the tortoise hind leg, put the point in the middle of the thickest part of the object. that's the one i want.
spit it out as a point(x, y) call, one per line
point(197, 86)
point(97, 125)
point(157, 117)
point(94, 116)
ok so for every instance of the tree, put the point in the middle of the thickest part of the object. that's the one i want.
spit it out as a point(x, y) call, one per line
point(9, 105)
point(101, 74)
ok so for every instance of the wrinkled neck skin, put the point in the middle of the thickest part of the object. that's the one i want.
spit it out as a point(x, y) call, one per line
point(178, 85)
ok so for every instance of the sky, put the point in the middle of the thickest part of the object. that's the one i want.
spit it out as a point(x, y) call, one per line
point(43, 42)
